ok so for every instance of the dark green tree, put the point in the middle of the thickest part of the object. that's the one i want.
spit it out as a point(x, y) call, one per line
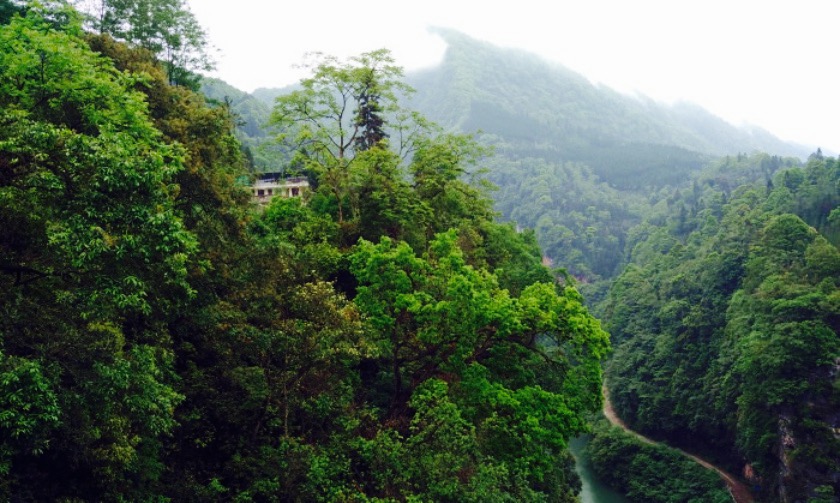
point(369, 114)
point(730, 333)
point(93, 255)
point(8, 8)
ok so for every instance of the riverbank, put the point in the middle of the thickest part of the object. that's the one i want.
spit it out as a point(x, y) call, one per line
point(592, 490)
point(739, 491)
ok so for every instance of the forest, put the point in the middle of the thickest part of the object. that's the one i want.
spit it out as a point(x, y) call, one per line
point(165, 340)
point(726, 323)
point(483, 248)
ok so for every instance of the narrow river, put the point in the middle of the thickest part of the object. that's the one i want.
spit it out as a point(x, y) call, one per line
point(594, 491)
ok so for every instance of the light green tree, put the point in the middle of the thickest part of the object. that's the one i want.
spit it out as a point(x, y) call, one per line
point(341, 110)
point(520, 373)
point(167, 28)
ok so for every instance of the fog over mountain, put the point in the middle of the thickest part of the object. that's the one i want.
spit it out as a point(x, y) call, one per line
point(529, 101)
point(535, 108)
point(749, 62)
point(347, 290)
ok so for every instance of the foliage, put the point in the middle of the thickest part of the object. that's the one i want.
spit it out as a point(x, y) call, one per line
point(251, 116)
point(166, 28)
point(163, 338)
point(8, 8)
point(439, 322)
point(729, 323)
point(579, 164)
point(93, 253)
point(651, 473)
point(330, 116)
point(580, 222)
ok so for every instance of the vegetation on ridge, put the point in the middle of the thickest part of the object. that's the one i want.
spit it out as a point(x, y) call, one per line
point(726, 323)
point(386, 338)
point(163, 339)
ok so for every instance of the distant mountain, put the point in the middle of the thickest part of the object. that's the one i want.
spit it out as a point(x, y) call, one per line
point(251, 112)
point(531, 108)
point(540, 109)
point(251, 115)
point(268, 94)
point(577, 162)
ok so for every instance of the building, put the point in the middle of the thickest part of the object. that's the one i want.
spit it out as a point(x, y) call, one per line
point(270, 185)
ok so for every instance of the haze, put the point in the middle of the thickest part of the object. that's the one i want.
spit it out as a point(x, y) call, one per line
point(769, 64)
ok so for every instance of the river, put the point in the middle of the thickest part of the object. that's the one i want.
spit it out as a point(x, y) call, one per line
point(593, 491)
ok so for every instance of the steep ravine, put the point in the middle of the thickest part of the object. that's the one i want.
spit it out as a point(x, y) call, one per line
point(739, 491)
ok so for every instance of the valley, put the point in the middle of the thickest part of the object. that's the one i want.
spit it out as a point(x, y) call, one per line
point(381, 286)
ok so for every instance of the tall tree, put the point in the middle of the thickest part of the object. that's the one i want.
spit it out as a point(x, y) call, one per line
point(339, 112)
point(509, 379)
point(93, 254)
point(167, 28)
point(369, 113)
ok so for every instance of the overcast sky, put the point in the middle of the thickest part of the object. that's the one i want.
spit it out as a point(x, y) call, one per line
point(772, 63)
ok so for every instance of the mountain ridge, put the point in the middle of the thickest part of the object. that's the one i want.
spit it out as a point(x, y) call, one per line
point(538, 108)
point(566, 102)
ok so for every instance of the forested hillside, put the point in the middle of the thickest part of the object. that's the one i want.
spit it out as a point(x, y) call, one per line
point(721, 296)
point(541, 109)
point(727, 321)
point(579, 163)
point(162, 338)
point(413, 328)
point(251, 116)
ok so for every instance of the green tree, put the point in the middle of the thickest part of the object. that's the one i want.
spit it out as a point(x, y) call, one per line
point(437, 318)
point(166, 28)
point(651, 473)
point(730, 331)
point(94, 254)
point(369, 113)
point(8, 8)
point(338, 113)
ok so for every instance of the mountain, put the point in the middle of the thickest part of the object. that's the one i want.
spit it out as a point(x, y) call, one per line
point(251, 115)
point(251, 112)
point(577, 162)
point(531, 108)
point(542, 109)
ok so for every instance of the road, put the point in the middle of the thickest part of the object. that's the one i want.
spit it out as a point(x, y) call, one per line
point(739, 491)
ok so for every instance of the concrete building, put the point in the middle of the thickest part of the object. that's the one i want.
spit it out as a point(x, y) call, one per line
point(270, 185)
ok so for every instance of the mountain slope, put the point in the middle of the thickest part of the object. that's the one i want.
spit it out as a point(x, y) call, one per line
point(529, 107)
point(251, 115)
point(541, 109)
point(577, 162)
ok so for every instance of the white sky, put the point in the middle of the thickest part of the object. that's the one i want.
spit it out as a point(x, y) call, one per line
point(772, 63)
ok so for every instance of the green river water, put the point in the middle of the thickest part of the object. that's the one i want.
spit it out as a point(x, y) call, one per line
point(593, 490)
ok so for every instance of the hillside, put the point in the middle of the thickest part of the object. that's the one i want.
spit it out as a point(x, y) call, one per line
point(540, 109)
point(607, 179)
point(725, 323)
point(555, 135)
point(165, 338)
point(534, 108)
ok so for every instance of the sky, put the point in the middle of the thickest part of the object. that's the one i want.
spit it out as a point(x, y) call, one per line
point(770, 63)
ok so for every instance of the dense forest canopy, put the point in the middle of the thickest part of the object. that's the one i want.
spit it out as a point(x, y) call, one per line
point(162, 338)
point(415, 327)
point(578, 163)
point(727, 324)
point(714, 269)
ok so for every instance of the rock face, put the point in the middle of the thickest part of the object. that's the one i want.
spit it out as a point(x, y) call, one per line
point(748, 473)
point(808, 445)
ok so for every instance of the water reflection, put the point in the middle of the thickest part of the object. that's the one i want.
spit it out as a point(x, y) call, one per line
point(593, 490)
